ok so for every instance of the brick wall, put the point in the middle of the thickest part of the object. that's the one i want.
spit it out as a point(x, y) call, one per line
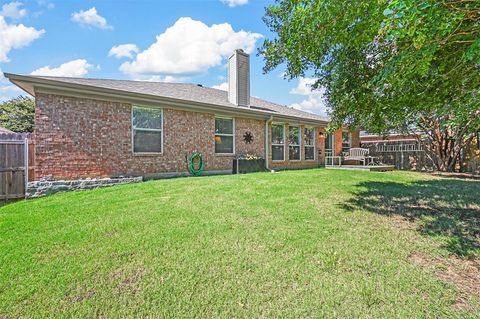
point(80, 138)
point(354, 140)
point(337, 140)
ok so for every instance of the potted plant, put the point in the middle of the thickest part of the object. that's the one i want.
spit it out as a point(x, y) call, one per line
point(248, 163)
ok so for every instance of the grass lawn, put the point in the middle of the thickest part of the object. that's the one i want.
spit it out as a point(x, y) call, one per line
point(310, 243)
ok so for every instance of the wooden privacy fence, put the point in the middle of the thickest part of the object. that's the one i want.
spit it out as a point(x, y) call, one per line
point(16, 153)
point(405, 155)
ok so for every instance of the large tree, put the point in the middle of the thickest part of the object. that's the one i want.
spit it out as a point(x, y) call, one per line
point(18, 114)
point(402, 65)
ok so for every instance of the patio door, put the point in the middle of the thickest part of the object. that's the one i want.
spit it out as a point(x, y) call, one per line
point(329, 142)
point(329, 149)
point(346, 141)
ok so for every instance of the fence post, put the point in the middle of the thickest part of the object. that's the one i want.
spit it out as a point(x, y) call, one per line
point(25, 165)
point(401, 156)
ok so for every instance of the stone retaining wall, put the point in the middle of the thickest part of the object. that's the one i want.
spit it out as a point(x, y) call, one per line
point(45, 187)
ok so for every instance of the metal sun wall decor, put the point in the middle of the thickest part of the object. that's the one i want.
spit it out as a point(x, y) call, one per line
point(248, 137)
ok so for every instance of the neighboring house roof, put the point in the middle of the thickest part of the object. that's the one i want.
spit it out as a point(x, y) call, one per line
point(4, 130)
point(178, 91)
point(366, 137)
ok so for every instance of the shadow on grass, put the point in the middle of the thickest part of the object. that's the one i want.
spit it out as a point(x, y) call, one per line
point(449, 208)
point(4, 203)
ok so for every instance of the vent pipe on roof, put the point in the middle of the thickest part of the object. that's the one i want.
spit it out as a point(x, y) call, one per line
point(239, 78)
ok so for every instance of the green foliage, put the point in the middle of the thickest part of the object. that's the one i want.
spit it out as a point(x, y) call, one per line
point(387, 64)
point(296, 244)
point(18, 114)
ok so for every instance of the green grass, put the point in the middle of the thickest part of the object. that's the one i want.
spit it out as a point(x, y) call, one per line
point(310, 243)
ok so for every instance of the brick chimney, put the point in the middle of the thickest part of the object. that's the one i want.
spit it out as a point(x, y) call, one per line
point(239, 78)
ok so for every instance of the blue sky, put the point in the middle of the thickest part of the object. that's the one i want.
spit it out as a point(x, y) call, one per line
point(183, 41)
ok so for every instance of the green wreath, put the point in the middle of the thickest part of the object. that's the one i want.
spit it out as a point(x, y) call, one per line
point(196, 164)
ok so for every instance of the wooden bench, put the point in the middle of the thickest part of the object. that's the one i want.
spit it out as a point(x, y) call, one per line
point(357, 154)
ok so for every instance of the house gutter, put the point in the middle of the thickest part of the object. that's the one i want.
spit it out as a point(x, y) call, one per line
point(267, 124)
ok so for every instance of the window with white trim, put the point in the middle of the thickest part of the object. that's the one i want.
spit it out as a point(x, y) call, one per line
point(278, 142)
point(294, 140)
point(346, 140)
point(147, 129)
point(224, 135)
point(309, 133)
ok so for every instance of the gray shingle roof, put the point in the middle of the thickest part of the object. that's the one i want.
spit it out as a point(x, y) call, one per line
point(4, 130)
point(185, 91)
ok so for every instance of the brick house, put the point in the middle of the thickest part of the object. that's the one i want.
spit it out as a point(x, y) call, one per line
point(87, 128)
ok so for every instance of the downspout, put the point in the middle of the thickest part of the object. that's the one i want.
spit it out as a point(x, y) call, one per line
point(267, 123)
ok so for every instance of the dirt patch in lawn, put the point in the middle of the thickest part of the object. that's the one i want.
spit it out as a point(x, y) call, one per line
point(464, 274)
point(401, 223)
point(457, 175)
point(128, 279)
point(87, 294)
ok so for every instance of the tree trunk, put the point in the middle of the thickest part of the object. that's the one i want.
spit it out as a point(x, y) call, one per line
point(444, 144)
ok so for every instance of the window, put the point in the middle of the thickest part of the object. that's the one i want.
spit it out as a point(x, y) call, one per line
point(278, 142)
point(345, 142)
point(224, 139)
point(309, 133)
point(329, 145)
point(147, 124)
point(294, 143)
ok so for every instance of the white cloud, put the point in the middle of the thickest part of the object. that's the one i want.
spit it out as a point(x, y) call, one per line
point(7, 90)
point(90, 18)
point(222, 86)
point(123, 51)
point(190, 47)
point(5, 87)
point(46, 3)
point(304, 86)
point(314, 102)
point(234, 3)
point(13, 10)
point(74, 68)
point(15, 36)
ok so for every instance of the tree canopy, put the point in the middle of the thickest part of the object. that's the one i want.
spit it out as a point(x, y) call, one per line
point(18, 114)
point(385, 65)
